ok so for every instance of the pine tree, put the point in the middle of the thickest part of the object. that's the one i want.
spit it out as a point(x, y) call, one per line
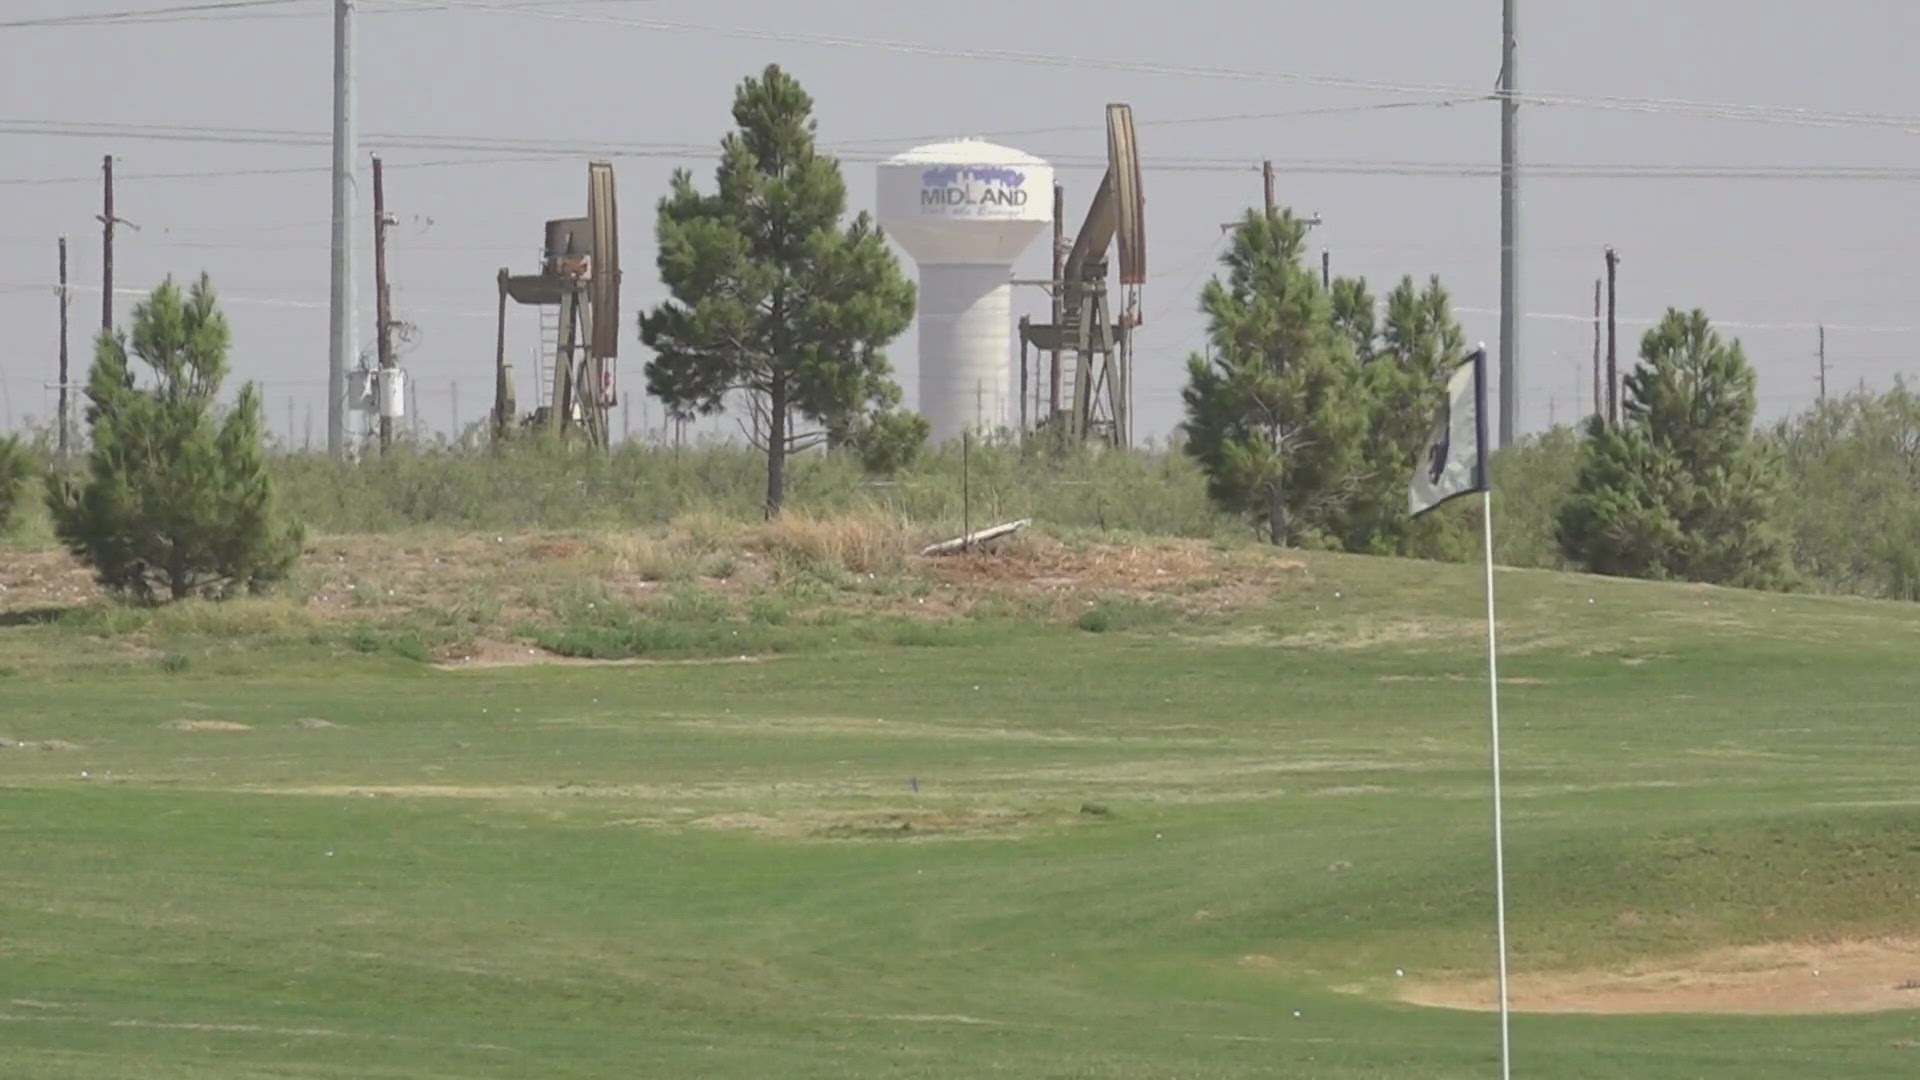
point(1276, 417)
point(770, 295)
point(1681, 489)
point(1405, 360)
point(16, 468)
point(174, 500)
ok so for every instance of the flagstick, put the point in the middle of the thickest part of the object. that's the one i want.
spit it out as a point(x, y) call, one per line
point(1499, 837)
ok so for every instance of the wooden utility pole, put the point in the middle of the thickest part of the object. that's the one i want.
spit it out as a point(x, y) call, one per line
point(1056, 379)
point(383, 302)
point(1024, 323)
point(1823, 362)
point(1613, 355)
point(63, 348)
point(1266, 181)
point(1599, 403)
point(1326, 270)
point(106, 246)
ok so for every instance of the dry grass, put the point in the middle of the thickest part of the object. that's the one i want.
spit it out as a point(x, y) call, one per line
point(474, 598)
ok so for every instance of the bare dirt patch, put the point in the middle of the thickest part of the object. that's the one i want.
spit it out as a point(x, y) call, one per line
point(205, 725)
point(47, 579)
point(1779, 979)
point(499, 654)
point(1193, 573)
point(908, 825)
point(37, 744)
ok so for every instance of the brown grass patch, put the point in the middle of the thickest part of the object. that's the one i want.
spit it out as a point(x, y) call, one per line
point(1777, 979)
point(205, 725)
point(500, 654)
point(37, 744)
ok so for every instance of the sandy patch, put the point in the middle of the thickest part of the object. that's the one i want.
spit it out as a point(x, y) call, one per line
point(1779, 979)
point(500, 654)
point(910, 825)
point(205, 725)
point(37, 744)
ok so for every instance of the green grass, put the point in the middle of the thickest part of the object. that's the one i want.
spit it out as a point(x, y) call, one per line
point(871, 857)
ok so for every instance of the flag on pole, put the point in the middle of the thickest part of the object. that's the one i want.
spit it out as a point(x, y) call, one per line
point(1455, 464)
point(1455, 460)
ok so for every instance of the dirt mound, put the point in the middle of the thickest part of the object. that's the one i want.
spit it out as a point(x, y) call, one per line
point(1780, 979)
point(205, 725)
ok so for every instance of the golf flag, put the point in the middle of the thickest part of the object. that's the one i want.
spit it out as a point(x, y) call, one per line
point(1455, 460)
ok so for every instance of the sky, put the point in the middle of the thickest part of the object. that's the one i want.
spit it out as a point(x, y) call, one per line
point(1757, 160)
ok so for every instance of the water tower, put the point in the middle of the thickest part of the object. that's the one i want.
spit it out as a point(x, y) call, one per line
point(965, 211)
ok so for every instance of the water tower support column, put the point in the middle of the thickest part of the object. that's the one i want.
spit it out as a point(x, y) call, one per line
point(966, 321)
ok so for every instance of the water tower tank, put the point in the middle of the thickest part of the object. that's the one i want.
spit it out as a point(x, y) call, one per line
point(965, 211)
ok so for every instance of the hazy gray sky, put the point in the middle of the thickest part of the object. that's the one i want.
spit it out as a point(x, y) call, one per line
point(1758, 254)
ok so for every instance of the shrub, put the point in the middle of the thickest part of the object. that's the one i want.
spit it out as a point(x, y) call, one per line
point(16, 468)
point(174, 499)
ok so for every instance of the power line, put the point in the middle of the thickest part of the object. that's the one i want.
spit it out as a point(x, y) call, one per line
point(533, 150)
point(236, 11)
point(139, 15)
point(1779, 114)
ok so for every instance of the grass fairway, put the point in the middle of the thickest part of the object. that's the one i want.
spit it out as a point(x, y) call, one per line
point(1192, 846)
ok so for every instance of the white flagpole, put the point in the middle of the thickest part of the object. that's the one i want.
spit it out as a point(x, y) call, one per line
point(1499, 830)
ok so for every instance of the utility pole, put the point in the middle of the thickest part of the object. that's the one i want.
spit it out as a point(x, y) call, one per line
point(453, 394)
point(1823, 364)
point(1266, 183)
point(382, 299)
point(626, 419)
point(106, 245)
point(341, 335)
point(1599, 403)
point(1024, 323)
point(1613, 365)
point(1509, 227)
point(63, 348)
point(1326, 270)
point(1056, 379)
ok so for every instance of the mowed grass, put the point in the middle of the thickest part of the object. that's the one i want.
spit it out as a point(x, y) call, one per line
point(1194, 846)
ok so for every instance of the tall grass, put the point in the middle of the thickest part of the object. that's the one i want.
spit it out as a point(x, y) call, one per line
point(535, 486)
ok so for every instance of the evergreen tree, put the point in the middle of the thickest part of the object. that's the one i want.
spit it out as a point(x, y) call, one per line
point(770, 295)
point(1403, 379)
point(174, 500)
point(1681, 488)
point(1276, 417)
point(16, 468)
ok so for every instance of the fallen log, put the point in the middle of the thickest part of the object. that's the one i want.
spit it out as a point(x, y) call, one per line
point(963, 543)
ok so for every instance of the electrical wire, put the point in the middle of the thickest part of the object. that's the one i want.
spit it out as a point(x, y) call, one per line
point(530, 150)
point(1757, 113)
point(140, 15)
